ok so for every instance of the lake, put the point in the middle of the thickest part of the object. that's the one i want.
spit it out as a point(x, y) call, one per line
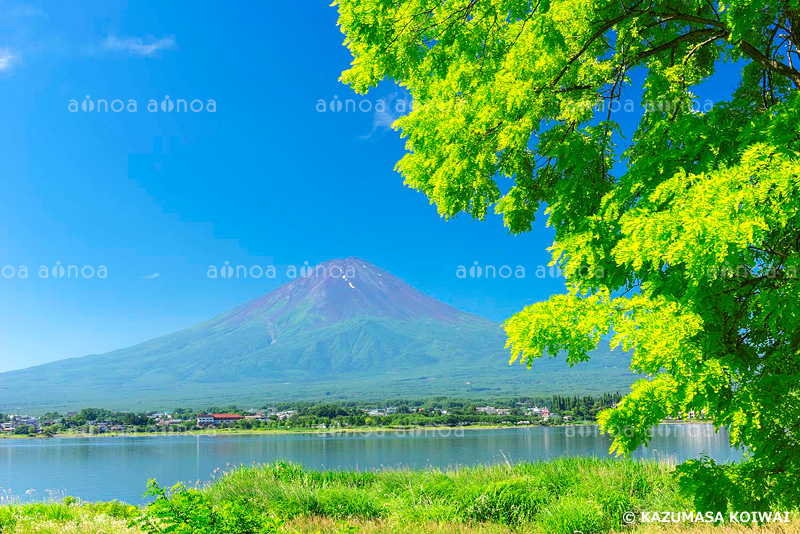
point(118, 468)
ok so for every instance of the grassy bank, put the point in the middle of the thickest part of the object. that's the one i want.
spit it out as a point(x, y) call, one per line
point(582, 494)
point(559, 497)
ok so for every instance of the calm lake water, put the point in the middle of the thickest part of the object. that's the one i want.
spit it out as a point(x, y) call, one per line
point(118, 468)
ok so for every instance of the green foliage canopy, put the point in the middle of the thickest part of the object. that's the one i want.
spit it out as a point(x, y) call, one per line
point(689, 256)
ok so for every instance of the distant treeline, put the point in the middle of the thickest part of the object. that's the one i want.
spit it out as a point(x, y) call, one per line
point(437, 411)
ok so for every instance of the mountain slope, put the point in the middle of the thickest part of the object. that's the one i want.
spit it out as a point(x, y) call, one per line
point(346, 329)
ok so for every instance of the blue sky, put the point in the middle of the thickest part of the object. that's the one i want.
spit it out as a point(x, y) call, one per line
point(157, 197)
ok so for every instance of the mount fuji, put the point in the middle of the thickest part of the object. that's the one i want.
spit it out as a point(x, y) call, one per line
point(345, 330)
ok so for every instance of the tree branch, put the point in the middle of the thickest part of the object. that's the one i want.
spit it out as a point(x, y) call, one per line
point(603, 29)
point(690, 36)
point(781, 68)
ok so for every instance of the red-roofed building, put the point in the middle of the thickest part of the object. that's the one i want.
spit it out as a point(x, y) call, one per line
point(227, 417)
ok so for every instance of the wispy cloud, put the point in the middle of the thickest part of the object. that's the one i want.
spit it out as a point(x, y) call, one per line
point(7, 59)
point(140, 46)
point(19, 11)
point(151, 276)
point(393, 107)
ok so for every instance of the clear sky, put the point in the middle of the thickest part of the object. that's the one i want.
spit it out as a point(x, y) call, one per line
point(158, 197)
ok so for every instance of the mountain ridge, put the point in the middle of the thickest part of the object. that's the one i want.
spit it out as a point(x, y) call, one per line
point(346, 329)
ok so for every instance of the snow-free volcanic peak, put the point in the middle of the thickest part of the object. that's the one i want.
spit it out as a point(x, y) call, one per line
point(346, 288)
point(347, 329)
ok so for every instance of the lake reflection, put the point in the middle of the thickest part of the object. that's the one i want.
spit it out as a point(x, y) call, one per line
point(118, 468)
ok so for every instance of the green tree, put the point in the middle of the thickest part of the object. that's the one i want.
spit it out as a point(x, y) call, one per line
point(686, 253)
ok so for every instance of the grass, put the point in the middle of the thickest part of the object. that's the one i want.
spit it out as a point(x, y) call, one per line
point(318, 525)
point(562, 496)
point(67, 517)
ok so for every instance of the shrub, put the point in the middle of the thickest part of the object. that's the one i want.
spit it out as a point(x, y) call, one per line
point(8, 519)
point(189, 511)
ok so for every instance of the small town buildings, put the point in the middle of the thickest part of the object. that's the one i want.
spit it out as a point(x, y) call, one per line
point(170, 422)
point(492, 410)
point(539, 412)
point(218, 418)
point(257, 417)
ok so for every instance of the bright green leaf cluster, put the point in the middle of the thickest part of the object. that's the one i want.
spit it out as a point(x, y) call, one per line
point(690, 256)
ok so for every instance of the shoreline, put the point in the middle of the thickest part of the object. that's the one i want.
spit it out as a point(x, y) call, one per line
point(305, 431)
